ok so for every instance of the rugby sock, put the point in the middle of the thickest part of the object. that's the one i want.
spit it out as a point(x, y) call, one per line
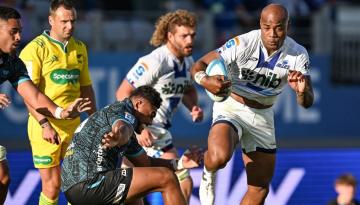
point(208, 173)
point(44, 200)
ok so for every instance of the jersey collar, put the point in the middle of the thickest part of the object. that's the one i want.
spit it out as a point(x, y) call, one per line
point(264, 51)
point(63, 46)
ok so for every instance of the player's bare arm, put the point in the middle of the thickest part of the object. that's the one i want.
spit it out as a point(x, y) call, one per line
point(215, 84)
point(190, 159)
point(42, 104)
point(190, 100)
point(119, 135)
point(301, 84)
point(48, 132)
point(88, 92)
point(124, 90)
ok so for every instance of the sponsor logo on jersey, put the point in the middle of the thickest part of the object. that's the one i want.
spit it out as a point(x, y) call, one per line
point(99, 158)
point(173, 88)
point(230, 43)
point(269, 80)
point(44, 160)
point(129, 117)
point(64, 76)
point(119, 193)
point(140, 70)
point(284, 64)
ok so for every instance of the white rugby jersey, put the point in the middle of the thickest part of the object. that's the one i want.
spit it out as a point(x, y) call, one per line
point(163, 71)
point(253, 73)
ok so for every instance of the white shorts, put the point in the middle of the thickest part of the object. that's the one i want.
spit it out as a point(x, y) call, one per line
point(163, 142)
point(255, 127)
point(2, 153)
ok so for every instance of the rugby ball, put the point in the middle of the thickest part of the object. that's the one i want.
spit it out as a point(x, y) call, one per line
point(217, 67)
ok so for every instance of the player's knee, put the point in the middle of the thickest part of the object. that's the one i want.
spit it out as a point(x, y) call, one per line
point(5, 181)
point(51, 188)
point(167, 177)
point(219, 159)
point(259, 192)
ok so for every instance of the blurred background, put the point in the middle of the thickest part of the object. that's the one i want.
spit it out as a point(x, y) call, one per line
point(315, 145)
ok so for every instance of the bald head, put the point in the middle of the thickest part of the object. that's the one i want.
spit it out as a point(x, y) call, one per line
point(273, 24)
point(275, 12)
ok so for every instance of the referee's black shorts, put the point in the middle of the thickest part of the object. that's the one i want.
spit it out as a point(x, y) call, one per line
point(110, 187)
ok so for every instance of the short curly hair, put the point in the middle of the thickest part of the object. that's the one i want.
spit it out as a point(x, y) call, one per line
point(149, 94)
point(168, 21)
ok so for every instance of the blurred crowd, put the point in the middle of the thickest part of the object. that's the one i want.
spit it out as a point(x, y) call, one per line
point(228, 18)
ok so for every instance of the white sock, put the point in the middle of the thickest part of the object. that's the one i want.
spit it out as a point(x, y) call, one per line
point(208, 173)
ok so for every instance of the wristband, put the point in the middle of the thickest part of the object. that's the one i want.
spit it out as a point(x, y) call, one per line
point(199, 76)
point(177, 164)
point(43, 121)
point(58, 112)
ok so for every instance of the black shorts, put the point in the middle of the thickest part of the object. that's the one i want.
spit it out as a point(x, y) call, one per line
point(110, 187)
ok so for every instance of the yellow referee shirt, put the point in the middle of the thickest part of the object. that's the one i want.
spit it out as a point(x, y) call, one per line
point(59, 68)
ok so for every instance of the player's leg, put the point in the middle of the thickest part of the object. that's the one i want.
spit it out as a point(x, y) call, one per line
point(222, 141)
point(46, 158)
point(260, 170)
point(259, 148)
point(155, 179)
point(127, 164)
point(4, 175)
point(50, 182)
point(185, 180)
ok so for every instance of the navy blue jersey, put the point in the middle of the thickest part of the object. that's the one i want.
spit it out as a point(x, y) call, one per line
point(85, 157)
point(12, 69)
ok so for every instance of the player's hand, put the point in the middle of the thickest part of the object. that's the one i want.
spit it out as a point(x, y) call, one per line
point(192, 157)
point(197, 114)
point(112, 139)
point(49, 134)
point(74, 109)
point(4, 101)
point(297, 81)
point(216, 84)
point(146, 138)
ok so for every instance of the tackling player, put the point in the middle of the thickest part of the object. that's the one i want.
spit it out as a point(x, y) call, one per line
point(89, 171)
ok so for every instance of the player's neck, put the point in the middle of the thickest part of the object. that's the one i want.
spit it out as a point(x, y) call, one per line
point(57, 38)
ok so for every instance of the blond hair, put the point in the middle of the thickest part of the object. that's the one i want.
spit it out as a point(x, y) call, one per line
point(167, 22)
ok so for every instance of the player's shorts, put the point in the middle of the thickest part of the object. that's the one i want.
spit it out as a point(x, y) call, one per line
point(44, 153)
point(255, 127)
point(110, 187)
point(162, 144)
point(2, 153)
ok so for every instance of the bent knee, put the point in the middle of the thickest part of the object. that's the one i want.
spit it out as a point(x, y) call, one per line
point(5, 180)
point(167, 176)
point(219, 159)
point(258, 191)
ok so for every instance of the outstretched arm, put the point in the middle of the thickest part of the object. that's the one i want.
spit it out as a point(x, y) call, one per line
point(190, 159)
point(42, 104)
